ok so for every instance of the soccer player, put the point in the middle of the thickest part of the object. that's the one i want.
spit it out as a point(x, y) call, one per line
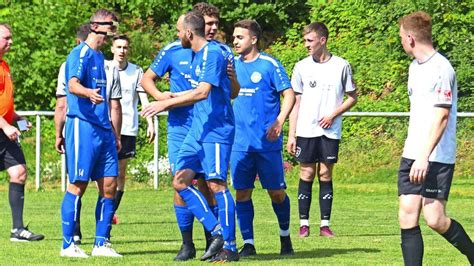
point(207, 145)
point(130, 77)
point(113, 93)
point(91, 143)
point(427, 164)
point(175, 60)
point(320, 82)
point(12, 158)
point(258, 127)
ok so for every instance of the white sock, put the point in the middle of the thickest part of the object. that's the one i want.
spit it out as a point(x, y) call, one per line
point(249, 241)
point(304, 222)
point(284, 232)
point(324, 223)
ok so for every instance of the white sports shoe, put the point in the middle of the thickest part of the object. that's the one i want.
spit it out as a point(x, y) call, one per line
point(105, 251)
point(73, 251)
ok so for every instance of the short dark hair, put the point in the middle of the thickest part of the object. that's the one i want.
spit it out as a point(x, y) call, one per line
point(250, 25)
point(317, 27)
point(121, 37)
point(206, 9)
point(194, 22)
point(82, 32)
point(419, 23)
point(102, 14)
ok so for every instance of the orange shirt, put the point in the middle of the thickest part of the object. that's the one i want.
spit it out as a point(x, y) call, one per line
point(6, 93)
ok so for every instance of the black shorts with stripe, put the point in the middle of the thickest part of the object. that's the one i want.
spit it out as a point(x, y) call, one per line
point(10, 152)
point(318, 149)
point(437, 183)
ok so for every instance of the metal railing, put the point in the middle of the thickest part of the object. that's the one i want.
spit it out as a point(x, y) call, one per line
point(38, 115)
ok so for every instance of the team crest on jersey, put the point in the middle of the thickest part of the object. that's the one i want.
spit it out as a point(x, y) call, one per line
point(197, 71)
point(312, 84)
point(256, 77)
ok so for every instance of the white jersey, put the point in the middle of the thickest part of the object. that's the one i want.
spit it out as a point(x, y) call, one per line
point(322, 87)
point(130, 78)
point(431, 84)
point(112, 76)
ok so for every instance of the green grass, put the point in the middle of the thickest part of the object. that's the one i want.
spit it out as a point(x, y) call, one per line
point(364, 220)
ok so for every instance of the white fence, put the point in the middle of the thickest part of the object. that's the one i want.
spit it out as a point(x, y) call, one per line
point(39, 114)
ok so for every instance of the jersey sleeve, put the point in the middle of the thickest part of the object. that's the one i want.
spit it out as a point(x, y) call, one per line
point(77, 65)
point(61, 85)
point(347, 79)
point(280, 79)
point(296, 81)
point(116, 90)
point(162, 63)
point(212, 68)
point(139, 80)
point(444, 87)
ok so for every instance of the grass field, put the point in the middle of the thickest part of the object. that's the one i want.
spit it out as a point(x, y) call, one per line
point(364, 221)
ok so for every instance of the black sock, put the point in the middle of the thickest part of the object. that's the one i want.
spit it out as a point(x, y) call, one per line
point(16, 196)
point(187, 237)
point(304, 198)
point(325, 199)
point(118, 198)
point(459, 239)
point(208, 236)
point(77, 228)
point(412, 246)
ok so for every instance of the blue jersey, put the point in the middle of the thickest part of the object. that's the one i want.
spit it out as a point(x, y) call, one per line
point(226, 51)
point(213, 119)
point(87, 65)
point(176, 60)
point(258, 103)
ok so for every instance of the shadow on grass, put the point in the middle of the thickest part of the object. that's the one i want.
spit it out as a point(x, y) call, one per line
point(315, 253)
point(147, 222)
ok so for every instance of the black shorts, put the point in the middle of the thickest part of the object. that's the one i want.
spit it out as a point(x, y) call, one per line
point(437, 183)
point(129, 144)
point(319, 149)
point(10, 152)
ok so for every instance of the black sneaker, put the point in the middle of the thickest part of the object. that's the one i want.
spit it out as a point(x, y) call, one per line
point(186, 252)
point(225, 255)
point(286, 246)
point(24, 235)
point(247, 250)
point(216, 245)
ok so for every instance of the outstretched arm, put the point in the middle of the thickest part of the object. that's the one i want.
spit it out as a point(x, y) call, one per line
point(198, 94)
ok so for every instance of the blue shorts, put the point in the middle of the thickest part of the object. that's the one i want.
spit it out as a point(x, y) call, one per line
point(90, 151)
point(210, 158)
point(245, 166)
point(173, 150)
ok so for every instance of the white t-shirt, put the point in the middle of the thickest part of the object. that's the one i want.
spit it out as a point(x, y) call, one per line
point(322, 87)
point(130, 78)
point(431, 84)
point(113, 82)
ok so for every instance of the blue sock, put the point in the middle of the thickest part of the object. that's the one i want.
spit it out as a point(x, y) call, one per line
point(282, 211)
point(227, 218)
point(104, 212)
point(245, 214)
point(69, 211)
point(197, 204)
point(184, 217)
point(215, 210)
